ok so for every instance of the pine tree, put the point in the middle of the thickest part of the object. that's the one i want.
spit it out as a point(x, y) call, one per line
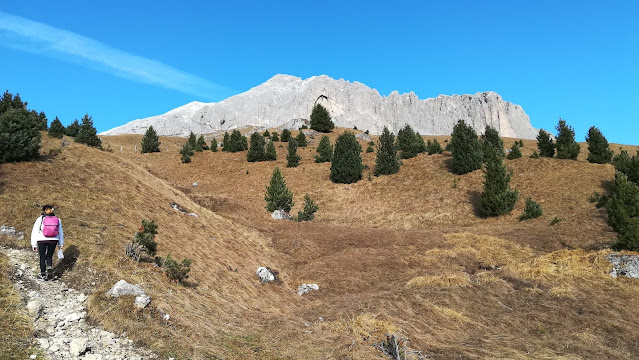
point(497, 198)
point(567, 147)
point(386, 161)
point(532, 210)
point(598, 148)
point(186, 152)
point(407, 142)
point(150, 141)
point(627, 165)
point(275, 136)
point(292, 157)
point(545, 144)
point(466, 148)
point(19, 137)
point(214, 145)
point(346, 165)
point(324, 150)
point(270, 154)
point(321, 119)
point(200, 145)
point(433, 147)
point(226, 142)
point(41, 119)
point(309, 210)
point(192, 141)
point(244, 143)
point(623, 203)
point(266, 133)
point(421, 145)
point(301, 139)
point(286, 135)
point(491, 138)
point(88, 134)
point(56, 130)
point(73, 129)
point(514, 153)
point(237, 142)
point(256, 152)
point(278, 196)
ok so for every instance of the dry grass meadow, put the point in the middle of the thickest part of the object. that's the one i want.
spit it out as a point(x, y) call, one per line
point(404, 254)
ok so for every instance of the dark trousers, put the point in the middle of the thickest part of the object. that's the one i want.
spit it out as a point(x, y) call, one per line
point(46, 255)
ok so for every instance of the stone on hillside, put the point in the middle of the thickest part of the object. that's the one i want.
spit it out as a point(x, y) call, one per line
point(624, 265)
point(363, 136)
point(294, 124)
point(280, 215)
point(142, 301)
point(310, 133)
point(11, 231)
point(34, 307)
point(264, 274)
point(78, 346)
point(123, 288)
point(304, 288)
point(92, 357)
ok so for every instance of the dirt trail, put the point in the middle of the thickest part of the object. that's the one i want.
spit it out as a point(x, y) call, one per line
point(59, 315)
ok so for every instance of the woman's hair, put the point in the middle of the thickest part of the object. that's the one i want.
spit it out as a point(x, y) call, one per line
point(45, 207)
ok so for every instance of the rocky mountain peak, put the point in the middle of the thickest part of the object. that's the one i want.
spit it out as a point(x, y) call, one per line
point(283, 98)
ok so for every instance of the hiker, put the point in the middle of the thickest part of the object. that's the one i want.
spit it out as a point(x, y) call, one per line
point(46, 234)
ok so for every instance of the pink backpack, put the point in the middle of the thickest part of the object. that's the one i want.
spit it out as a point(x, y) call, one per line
point(50, 226)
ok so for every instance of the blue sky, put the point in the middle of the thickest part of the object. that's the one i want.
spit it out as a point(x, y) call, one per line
point(123, 60)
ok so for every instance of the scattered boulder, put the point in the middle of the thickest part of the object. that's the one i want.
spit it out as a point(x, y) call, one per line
point(123, 288)
point(177, 207)
point(304, 288)
point(310, 133)
point(624, 265)
point(363, 136)
point(281, 215)
point(265, 274)
point(11, 231)
point(142, 301)
point(294, 124)
point(78, 346)
point(34, 307)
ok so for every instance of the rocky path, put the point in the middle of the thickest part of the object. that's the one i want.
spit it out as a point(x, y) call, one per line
point(59, 317)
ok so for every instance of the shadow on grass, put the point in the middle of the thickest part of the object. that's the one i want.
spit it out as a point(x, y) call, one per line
point(474, 197)
point(608, 185)
point(71, 255)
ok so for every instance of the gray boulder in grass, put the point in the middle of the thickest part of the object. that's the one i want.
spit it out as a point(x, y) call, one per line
point(123, 288)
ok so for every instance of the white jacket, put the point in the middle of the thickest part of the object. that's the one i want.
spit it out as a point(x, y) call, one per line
point(36, 233)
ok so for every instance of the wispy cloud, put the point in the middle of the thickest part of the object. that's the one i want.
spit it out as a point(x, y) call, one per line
point(39, 38)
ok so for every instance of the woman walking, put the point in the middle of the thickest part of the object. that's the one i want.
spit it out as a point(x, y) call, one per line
point(46, 234)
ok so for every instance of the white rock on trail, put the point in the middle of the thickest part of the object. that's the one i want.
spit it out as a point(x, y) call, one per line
point(284, 101)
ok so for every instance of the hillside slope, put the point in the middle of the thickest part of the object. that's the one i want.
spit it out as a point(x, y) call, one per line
point(403, 254)
point(283, 98)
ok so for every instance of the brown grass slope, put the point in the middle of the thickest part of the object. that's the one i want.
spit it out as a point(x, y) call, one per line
point(405, 253)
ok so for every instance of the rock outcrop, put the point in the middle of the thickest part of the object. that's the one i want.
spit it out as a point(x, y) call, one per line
point(288, 100)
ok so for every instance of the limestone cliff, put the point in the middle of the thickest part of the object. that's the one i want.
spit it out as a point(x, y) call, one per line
point(284, 98)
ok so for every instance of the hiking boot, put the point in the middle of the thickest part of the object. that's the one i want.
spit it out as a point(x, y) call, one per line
point(42, 277)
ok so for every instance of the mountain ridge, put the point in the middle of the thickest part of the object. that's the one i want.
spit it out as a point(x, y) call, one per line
point(351, 104)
